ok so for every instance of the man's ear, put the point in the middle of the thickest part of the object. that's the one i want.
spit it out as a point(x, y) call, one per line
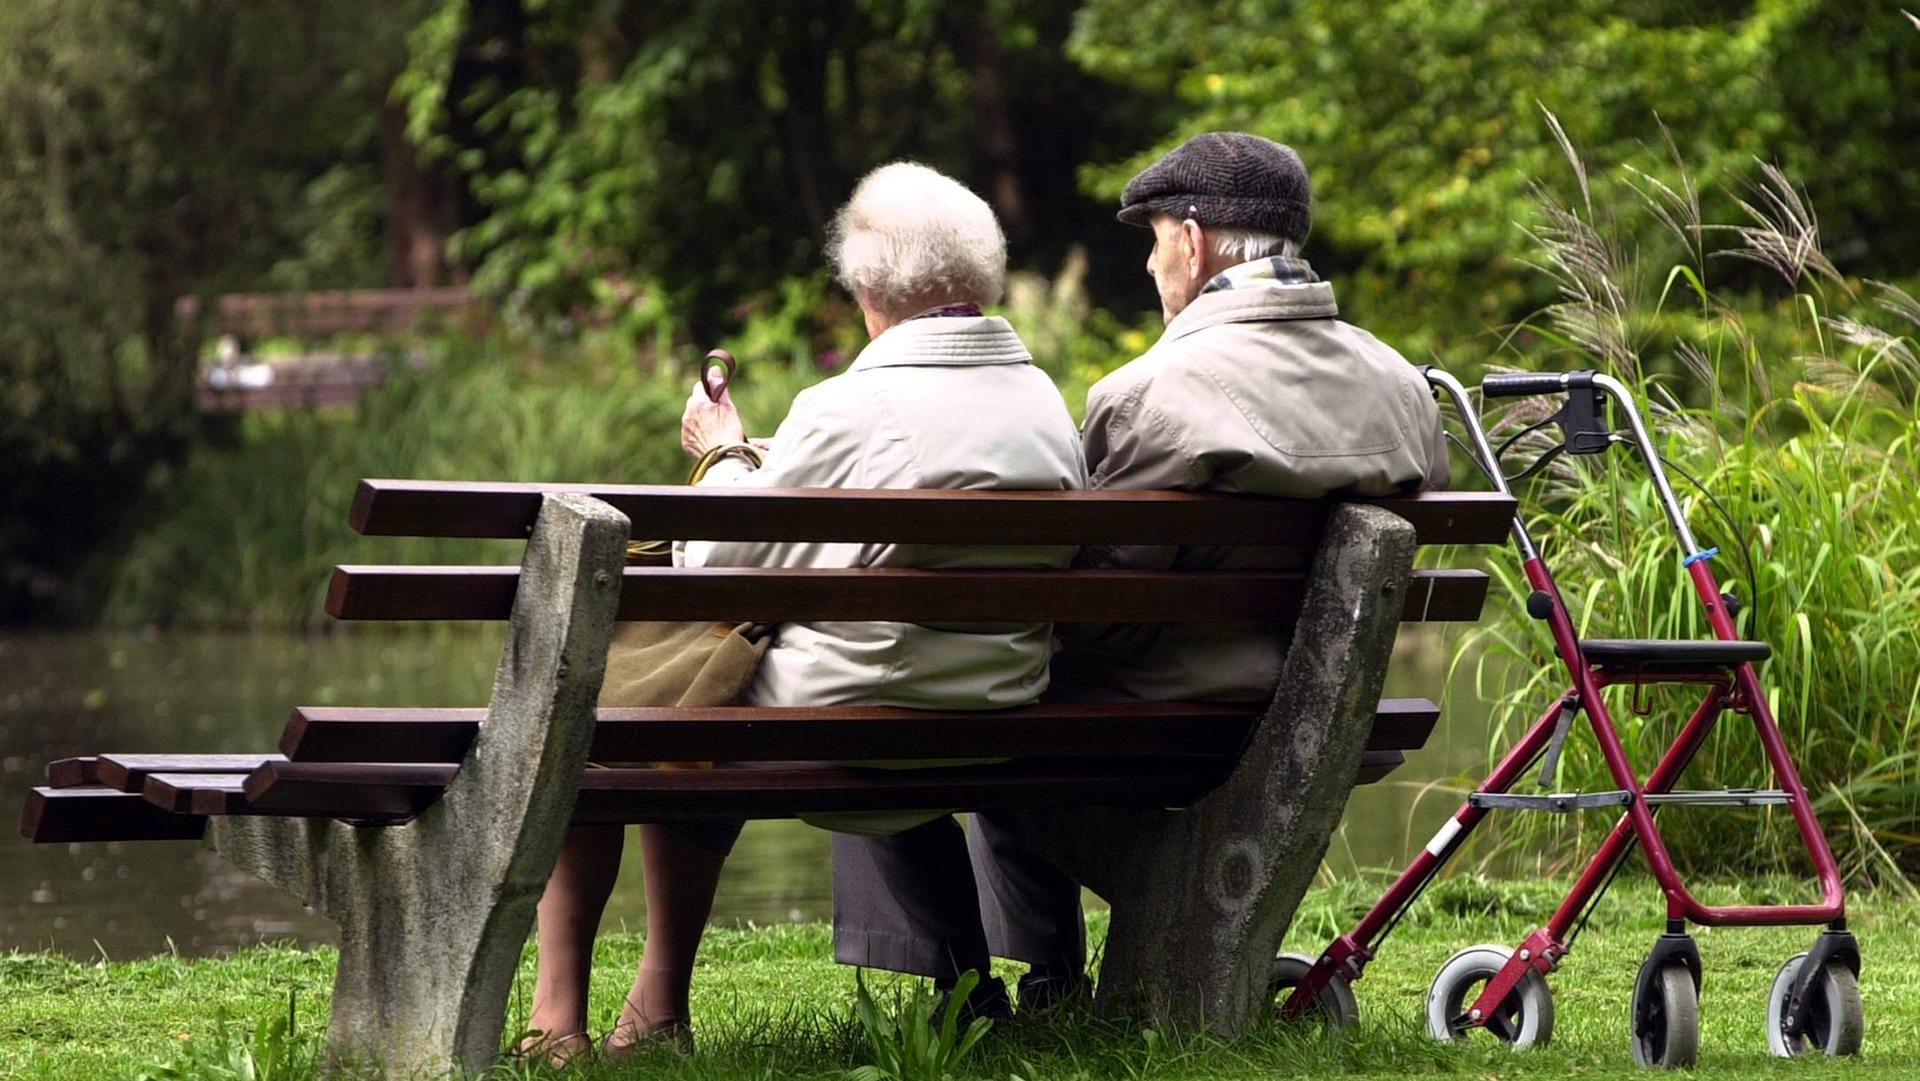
point(1196, 242)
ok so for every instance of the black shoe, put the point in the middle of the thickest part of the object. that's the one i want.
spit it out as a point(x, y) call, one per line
point(988, 999)
point(1051, 992)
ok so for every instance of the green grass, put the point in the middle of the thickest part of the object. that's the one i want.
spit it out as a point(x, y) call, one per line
point(770, 1004)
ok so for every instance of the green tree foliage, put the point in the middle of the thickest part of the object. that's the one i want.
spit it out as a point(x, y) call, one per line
point(1422, 122)
point(151, 149)
point(635, 158)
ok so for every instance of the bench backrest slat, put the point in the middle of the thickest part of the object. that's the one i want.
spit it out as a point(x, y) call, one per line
point(889, 593)
point(412, 508)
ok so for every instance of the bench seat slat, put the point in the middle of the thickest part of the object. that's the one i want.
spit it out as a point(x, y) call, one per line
point(388, 793)
point(415, 508)
point(737, 733)
point(195, 793)
point(73, 772)
point(129, 772)
point(1375, 765)
point(99, 813)
point(393, 793)
point(890, 593)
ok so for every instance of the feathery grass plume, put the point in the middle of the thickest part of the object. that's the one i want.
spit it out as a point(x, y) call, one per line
point(1783, 233)
point(1581, 253)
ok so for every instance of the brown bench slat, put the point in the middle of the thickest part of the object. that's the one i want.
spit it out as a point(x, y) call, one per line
point(739, 733)
point(890, 593)
point(195, 793)
point(380, 734)
point(353, 790)
point(415, 508)
point(654, 795)
point(1402, 724)
point(1375, 765)
point(99, 813)
point(367, 792)
point(129, 772)
point(73, 772)
point(335, 311)
point(747, 733)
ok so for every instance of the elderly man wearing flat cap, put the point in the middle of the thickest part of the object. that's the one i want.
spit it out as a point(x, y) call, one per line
point(1256, 386)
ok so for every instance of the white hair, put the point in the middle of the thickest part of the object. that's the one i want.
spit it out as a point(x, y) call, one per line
point(911, 238)
point(1237, 246)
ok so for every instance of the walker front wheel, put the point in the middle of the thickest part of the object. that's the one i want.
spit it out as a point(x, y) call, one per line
point(1524, 1020)
point(1835, 1016)
point(1666, 1018)
point(1333, 1005)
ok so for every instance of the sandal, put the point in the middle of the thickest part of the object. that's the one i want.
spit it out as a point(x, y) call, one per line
point(556, 1051)
point(627, 1041)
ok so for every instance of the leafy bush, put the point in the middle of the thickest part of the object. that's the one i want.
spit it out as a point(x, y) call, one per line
point(1419, 122)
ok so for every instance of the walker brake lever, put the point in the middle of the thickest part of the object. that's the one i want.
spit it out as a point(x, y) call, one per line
point(1580, 421)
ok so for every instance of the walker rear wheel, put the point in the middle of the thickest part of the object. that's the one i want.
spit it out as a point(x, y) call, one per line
point(1835, 1016)
point(1524, 1020)
point(1333, 1005)
point(1666, 1018)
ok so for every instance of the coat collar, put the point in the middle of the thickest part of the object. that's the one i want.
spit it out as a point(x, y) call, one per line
point(1255, 302)
point(953, 341)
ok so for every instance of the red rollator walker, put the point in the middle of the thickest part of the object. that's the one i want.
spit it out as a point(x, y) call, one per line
point(1815, 1000)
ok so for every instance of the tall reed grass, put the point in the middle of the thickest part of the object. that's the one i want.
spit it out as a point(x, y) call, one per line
point(1808, 451)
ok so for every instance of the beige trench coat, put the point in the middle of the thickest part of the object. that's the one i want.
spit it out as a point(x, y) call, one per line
point(1257, 389)
point(949, 402)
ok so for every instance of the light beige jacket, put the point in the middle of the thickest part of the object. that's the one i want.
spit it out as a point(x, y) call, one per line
point(949, 402)
point(1259, 389)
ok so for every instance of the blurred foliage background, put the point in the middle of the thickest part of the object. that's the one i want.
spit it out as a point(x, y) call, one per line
point(622, 184)
point(647, 177)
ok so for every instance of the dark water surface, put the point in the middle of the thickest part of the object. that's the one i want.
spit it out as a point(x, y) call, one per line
point(74, 693)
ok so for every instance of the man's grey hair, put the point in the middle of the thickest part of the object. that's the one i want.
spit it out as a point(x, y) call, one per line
point(1237, 246)
point(911, 239)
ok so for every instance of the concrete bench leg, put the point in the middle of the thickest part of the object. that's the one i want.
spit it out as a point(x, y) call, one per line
point(433, 914)
point(1202, 897)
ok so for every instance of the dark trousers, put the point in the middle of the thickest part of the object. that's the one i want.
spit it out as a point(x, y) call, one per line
point(934, 901)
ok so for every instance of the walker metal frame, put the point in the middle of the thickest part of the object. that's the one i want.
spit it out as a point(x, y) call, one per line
point(1723, 666)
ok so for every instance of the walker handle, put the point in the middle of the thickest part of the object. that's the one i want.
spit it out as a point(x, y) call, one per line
point(1518, 384)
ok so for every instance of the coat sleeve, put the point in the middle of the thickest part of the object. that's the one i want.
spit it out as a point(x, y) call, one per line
point(1132, 446)
point(819, 445)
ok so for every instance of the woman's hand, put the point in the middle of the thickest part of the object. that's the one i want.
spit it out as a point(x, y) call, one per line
point(709, 424)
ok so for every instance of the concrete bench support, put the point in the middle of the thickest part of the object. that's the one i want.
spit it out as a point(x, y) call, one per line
point(433, 914)
point(1201, 897)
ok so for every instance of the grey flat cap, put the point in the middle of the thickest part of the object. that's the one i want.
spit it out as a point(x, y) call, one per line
point(1225, 178)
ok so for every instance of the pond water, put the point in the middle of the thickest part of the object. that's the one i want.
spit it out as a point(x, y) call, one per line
point(121, 691)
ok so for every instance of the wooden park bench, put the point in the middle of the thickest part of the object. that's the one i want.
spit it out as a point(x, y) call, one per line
point(428, 834)
point(315, 379)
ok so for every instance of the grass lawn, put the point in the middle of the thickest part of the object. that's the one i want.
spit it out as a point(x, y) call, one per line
point(770, 1004)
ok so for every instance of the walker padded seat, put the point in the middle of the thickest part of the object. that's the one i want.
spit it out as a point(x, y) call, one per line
point(1672, 652)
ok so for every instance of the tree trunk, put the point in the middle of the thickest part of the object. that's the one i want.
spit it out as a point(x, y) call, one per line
point(423, 208)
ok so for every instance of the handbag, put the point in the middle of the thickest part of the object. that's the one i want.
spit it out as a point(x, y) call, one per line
point(689, 663)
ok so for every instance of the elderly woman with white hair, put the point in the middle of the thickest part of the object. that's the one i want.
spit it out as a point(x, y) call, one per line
point(943, 396)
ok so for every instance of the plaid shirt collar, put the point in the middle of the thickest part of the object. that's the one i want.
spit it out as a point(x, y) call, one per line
point(1276, 268)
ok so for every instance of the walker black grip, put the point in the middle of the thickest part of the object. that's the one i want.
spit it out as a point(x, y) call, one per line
point(1517, 384)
